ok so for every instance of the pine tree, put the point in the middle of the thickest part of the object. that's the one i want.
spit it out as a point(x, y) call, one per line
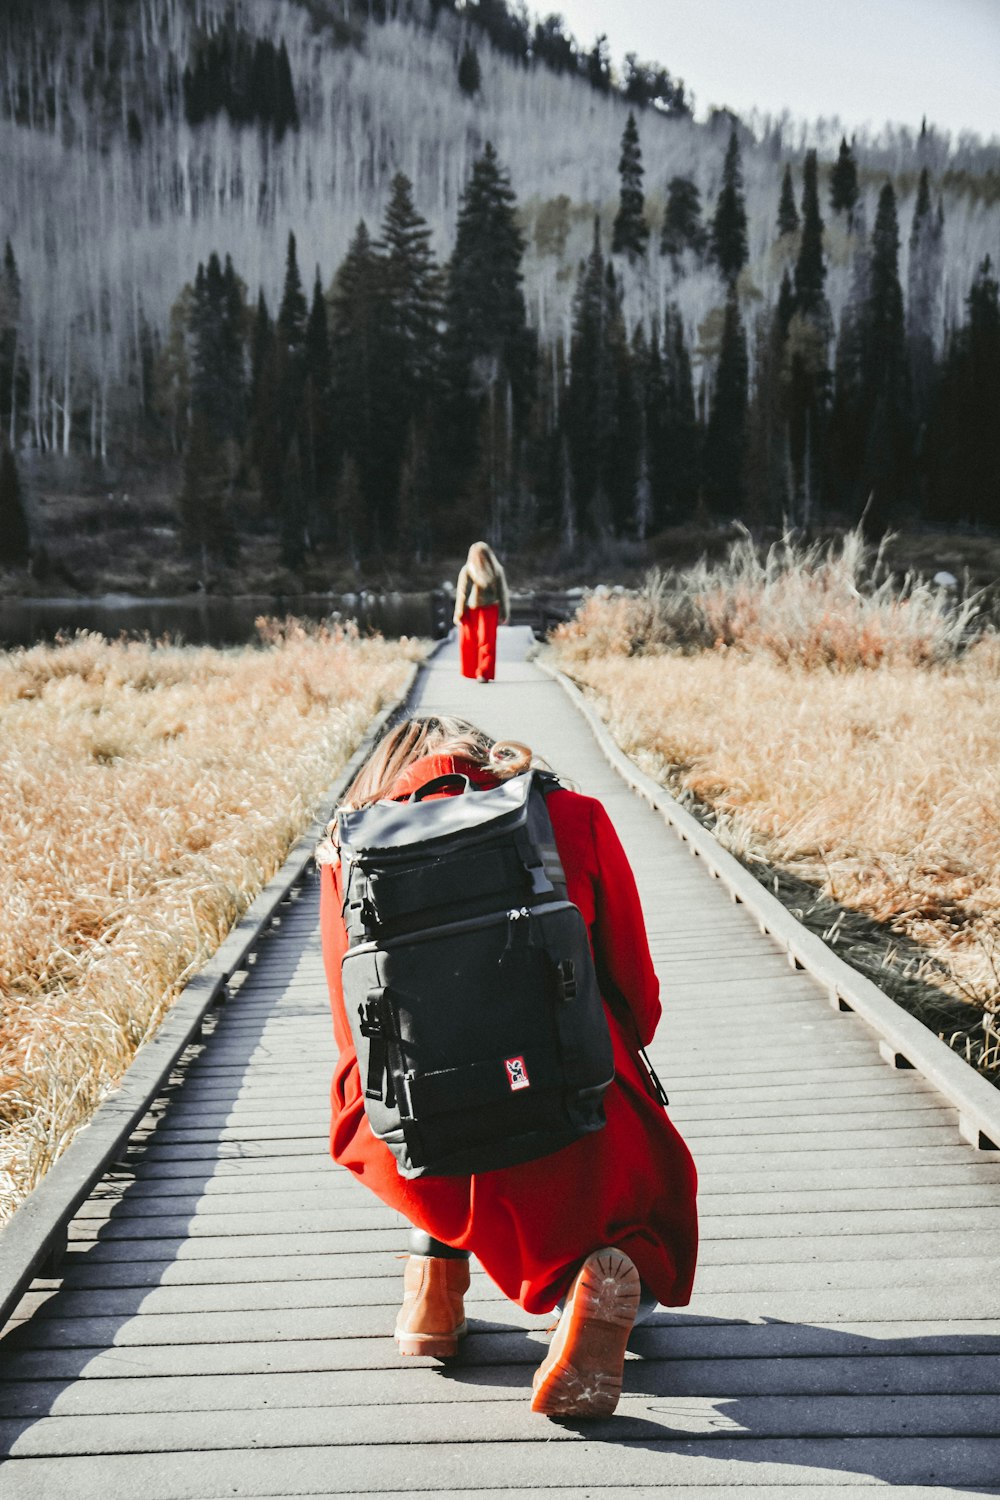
point(844, 183)
point(470, 76)
point(593, 402)
point(682, 226)
point(810, 270)
point(884, 376)
point(725, 437)
point(964, 444)
point(217, 368)
point(414, 291)
point(316, 443)
point(924, 270)
point(410, 348)
point(806, 362)
point(357, 338)
point(768, 498)
point(674, 460)
point(205, 524)
point(293, 314)
point(788, 214)
point(15, 537)
point(487, 333)
point(848, 417)
point(630, 232)
point(489, 352)
point(728, 237)
point(14, 382)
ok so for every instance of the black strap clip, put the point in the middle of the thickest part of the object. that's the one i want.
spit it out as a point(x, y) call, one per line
point(566, 980)
point(378, 1083)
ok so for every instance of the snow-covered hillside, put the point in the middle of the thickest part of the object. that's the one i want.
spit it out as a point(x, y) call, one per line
point(111, 198)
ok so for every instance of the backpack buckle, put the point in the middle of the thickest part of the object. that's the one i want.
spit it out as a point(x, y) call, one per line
point(368, 1015)
point(566, 980)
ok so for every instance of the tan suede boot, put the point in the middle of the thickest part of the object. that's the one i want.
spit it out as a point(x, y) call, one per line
point(432, 1318)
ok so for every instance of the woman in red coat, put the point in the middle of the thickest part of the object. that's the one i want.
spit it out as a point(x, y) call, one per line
point(481, 604)
point(602, 1225)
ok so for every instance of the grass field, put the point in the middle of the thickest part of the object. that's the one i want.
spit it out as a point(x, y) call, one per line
point(147, 793)
point(841, 734)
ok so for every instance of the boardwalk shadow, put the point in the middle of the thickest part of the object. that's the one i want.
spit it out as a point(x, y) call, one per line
point(133, 1234)
point(777, 1396)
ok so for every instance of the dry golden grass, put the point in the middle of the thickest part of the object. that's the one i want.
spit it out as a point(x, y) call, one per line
point(147, 793)
point(869, 799)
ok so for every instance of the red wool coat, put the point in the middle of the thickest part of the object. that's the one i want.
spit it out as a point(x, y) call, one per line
point(631, 1184)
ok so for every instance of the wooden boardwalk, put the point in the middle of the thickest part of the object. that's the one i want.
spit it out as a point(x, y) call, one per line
point(223, 1326)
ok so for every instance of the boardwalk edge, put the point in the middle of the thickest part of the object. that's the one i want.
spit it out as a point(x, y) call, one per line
point(904, 1041)
point(36, 1231)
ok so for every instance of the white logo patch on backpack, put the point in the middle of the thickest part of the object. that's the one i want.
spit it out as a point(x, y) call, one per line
point(517, 1073)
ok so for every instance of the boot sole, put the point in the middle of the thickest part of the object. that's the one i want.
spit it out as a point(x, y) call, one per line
point(431, 1345)
point(581, 1376)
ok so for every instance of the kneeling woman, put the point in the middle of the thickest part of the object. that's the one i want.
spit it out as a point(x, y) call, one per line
point(607, 1225)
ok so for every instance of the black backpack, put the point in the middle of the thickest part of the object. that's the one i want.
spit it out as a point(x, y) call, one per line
point(469, 982)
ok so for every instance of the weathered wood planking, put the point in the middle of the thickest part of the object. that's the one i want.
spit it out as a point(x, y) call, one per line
point(222, 1327)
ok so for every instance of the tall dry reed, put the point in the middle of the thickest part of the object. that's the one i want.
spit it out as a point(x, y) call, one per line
point(842, 736)
point(832, 605)
point(147, 793)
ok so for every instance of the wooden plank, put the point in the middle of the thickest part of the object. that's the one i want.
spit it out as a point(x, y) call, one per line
point(676, 1338)
point(564, 1460)
point(845, 1375)
point(506, 1420)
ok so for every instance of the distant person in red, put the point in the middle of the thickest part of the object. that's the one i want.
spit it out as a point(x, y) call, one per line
point(481, 603)
point(606, 1226)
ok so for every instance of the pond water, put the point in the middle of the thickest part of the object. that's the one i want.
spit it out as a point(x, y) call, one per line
point(216, 620)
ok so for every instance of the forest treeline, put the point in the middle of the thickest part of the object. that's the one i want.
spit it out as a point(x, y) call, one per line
point(712, 365)
point(405, 405)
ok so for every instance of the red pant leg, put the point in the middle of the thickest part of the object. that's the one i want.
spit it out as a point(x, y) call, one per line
point(468, 642)
point(486, 665)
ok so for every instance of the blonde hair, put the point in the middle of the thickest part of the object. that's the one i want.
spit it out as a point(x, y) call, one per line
point(483, 565)
point(426, 734)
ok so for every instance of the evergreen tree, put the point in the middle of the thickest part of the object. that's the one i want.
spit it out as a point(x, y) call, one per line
point(848, 417)
point(630, 232)
point(414, 291)
point(15, 538)
point(728, 238)
point(806, 356)
point(598, 65)
point(293, 314)
point(470, 77)
point(674, 447)
point(810, 270)
point(291, 334)
point(487, 333)
point(489, 352)
point(788, 214)
point(410, 351)
point(682, 226)
point(217, 373)
point(316, 443)
point(768, 498)
point(357, 337)
point(206, 527)
point(924, 271)
point(599, 353)
point(14, 382)
point(884, 374)
point(726, 432)
point(964, 446)
point(844, 183)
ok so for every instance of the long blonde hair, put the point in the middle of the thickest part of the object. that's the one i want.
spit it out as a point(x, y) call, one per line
point(482, 564)
point(425, 734)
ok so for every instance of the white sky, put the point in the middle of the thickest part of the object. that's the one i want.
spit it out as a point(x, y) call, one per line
point(867, 61)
